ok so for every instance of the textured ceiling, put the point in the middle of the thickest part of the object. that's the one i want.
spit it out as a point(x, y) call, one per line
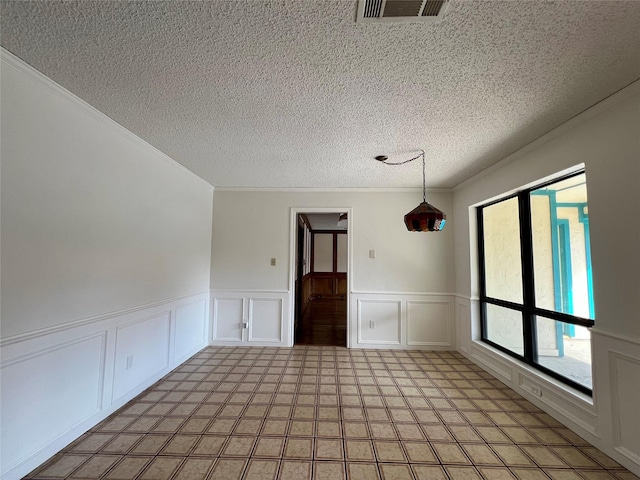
point(295, 93)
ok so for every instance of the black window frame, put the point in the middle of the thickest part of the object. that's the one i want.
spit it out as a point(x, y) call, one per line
point(528, 308)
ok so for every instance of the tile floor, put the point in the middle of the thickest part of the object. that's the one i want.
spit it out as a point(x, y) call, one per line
point(329, 413)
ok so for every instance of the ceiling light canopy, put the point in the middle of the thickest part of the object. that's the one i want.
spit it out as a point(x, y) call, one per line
point(425, 217)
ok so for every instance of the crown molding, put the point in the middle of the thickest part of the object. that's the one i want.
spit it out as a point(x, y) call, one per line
point(332, 190)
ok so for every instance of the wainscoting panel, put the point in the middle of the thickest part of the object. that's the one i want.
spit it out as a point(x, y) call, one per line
point(617, 373)
point(626, 399)
point(401, 320)
point(463, 330)
point(379, 322)
point(499, 366)
point(191, 328)
point(228, 315)
point(142, 350)
point(266, 314)
point(72, 392)
point(429, 322)
point(265, 320)
point(57, 383)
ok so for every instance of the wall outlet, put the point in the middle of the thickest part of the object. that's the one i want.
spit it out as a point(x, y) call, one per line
point(537, 391)
point(372, 324)
point(129, 362)
point(372, 254)
point(273, 262)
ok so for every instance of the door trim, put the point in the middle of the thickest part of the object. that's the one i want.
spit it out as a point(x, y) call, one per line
point(293, 229)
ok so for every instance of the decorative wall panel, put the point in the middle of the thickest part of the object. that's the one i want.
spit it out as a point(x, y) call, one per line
point(142, 350)
point(463, 331)
point(65, 379)
point(228, 315)
point(191, 328)
point(265, 320)
point(429, 323)
point(626, 398)
point(379, 322)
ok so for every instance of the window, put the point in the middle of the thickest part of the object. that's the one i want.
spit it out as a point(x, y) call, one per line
point(536, 290)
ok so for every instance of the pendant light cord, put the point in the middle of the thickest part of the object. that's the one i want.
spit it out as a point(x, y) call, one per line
point(424, 178)
point(424, 181)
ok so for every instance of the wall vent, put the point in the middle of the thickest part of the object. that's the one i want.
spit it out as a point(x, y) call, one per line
point(386, 11)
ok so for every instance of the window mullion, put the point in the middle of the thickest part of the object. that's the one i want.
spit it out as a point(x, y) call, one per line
point(528, 287)
point(481, 273)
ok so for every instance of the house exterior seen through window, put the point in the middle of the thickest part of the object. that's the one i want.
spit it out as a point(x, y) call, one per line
point(536, 288)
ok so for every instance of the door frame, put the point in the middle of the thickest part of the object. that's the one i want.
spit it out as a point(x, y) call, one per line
point(293, 232)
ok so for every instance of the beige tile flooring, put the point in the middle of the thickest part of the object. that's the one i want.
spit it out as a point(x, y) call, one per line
point(329, 413)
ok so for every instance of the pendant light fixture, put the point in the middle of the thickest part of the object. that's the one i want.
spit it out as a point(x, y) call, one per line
point(425, 217)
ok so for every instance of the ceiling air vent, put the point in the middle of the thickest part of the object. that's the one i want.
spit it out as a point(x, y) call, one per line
point(384, 11)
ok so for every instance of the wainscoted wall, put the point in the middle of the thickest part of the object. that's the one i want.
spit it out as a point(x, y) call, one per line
point(464, 333)
point(376, 320)
point(251, 317)
point(617, 370)
point(401, 321)
point(85, 371)
point(608, 420)
point(105, 241)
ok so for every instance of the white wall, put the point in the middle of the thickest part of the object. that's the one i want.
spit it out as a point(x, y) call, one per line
point(251, 227)
point(93, 220)
point(607, 140)
point(105, 255)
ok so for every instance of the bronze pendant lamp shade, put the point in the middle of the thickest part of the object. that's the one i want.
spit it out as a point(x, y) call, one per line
point(425, 217)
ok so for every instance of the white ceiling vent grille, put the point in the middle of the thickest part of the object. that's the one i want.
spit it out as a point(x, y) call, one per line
point(383, 11)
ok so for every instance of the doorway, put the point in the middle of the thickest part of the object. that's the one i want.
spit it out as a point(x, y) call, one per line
point(321, 278)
